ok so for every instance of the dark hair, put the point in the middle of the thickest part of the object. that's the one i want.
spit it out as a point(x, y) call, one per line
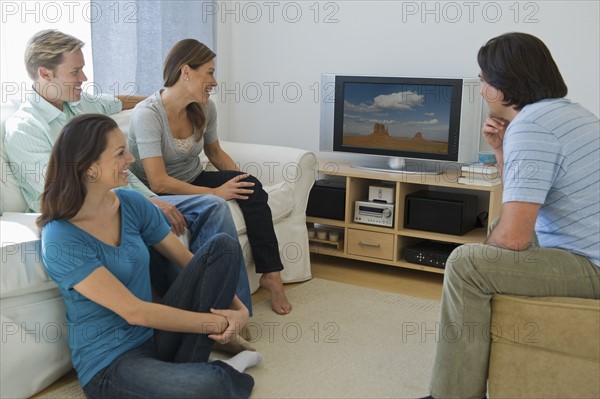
point(521, 67)
point(194, 54)
point(80, 144)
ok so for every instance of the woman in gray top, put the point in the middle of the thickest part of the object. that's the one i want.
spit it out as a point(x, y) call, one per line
point(171, 128)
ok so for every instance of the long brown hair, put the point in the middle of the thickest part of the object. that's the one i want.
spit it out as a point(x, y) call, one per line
point(522, 68)
point(81, 142)
point(194, 54)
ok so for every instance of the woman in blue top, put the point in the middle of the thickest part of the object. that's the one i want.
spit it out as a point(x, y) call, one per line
point(94, 246)
point(173, 126)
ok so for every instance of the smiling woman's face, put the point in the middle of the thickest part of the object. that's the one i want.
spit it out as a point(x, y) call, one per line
point(111, 169)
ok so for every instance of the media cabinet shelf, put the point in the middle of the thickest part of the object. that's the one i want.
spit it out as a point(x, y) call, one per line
point(328, 222)
point(336, 244)
point(384, 245)
point(475, 235)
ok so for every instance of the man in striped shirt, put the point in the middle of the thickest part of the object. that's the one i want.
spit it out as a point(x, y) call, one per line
point(55, 62)
point(546, 241)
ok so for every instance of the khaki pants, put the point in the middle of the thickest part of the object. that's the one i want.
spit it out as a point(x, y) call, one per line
point(474, 272)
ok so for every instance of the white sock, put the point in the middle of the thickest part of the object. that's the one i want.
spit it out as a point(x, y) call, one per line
point(244, 360)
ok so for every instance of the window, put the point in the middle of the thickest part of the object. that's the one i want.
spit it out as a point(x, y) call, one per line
point(21, 20)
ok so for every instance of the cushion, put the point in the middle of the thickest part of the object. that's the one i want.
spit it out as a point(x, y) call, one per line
point(545, 347)
point(11, 198)
point(35, 350)
point(22, 270)
point(547, 323)
point(122, 118)
point(281, 202)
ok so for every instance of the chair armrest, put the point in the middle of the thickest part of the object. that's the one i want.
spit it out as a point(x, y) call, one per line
point(275, 164)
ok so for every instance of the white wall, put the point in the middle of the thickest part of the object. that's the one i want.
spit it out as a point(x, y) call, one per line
point(268, 50)
point(21, 20)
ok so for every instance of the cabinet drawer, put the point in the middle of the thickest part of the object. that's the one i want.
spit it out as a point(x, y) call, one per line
point(371, 244)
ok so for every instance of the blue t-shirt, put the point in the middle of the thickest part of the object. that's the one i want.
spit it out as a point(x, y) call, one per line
point(552, 158)
point(97, 336)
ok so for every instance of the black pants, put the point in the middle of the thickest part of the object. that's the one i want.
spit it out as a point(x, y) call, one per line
point(258, 217)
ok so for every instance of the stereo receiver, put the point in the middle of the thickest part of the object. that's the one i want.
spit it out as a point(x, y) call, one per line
point(376, 213)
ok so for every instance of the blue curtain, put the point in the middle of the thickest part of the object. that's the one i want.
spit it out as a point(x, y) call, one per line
point(130, 39)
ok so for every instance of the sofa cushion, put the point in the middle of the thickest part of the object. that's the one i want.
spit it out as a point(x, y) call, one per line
point(547, 347)
point(22, 270)
point(281, 202)
point(10, 195)
point(35, 344)
point(122, 118)
point(548, 323)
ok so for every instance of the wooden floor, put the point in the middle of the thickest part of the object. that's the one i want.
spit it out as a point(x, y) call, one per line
point(386, 278)
point(371, 275)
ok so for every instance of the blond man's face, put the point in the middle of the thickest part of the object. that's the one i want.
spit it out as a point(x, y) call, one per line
point(64, 83)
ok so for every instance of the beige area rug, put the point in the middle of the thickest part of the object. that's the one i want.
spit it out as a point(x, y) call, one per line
point(340, 341)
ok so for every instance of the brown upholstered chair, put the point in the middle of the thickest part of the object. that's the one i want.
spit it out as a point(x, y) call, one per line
point(544, 348)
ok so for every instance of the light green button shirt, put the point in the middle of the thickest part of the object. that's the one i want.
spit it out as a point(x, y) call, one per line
point(31, 132)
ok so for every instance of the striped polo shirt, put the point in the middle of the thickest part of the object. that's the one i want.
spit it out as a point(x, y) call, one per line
point(31, 132)
point(552, 158)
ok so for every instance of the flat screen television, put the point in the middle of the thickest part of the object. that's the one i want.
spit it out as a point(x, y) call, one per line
point(404, 124)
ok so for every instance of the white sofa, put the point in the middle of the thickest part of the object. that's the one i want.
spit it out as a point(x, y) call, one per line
point(34, 350)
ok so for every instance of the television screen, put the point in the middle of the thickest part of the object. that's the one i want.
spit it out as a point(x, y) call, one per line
point(401, 123)
point(398, 117)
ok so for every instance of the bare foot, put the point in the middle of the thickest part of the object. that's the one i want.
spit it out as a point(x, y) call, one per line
point(272, 282)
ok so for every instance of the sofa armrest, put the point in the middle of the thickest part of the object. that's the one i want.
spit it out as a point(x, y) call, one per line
point(275, 164)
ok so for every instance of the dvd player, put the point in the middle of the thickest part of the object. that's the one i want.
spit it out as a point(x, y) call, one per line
point(429, 253)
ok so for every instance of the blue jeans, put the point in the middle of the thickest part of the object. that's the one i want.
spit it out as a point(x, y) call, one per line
point(206, 216)
point(174, 365)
